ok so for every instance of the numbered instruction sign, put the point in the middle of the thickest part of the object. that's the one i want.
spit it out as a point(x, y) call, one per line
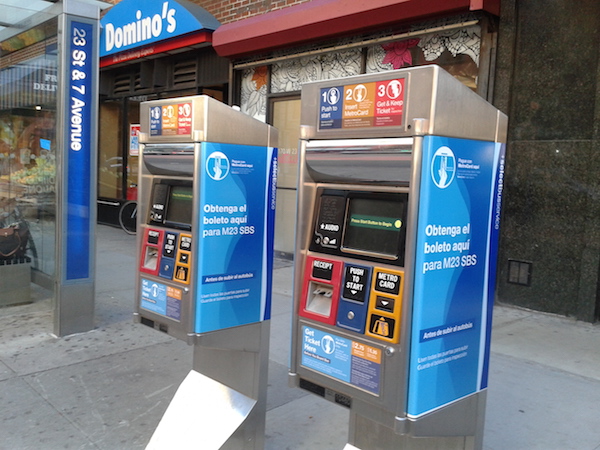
point(171, 120)
point(376, 104)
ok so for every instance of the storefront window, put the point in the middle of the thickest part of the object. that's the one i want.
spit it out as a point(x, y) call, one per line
point(28, 90)
point(113, 163)
point(457, 51)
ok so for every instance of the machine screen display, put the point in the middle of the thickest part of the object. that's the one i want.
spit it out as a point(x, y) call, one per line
point(375, 226)
point(179, 206)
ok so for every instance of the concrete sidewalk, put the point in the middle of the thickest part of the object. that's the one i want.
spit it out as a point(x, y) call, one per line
point(108, 388)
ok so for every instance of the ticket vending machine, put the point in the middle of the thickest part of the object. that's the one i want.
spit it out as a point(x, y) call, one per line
point(400, 187)
point(205, 244)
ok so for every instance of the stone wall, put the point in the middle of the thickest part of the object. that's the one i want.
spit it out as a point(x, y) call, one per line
point(547, 82)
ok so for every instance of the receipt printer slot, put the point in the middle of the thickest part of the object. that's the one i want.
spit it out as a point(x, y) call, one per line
point(319, 299)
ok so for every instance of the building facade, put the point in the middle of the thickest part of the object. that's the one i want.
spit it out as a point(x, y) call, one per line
point(539, 66)
point(547, 81)
point(274, 52)
point(171, 57)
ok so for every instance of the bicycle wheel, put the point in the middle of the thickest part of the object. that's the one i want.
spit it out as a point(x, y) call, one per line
point(128, 217)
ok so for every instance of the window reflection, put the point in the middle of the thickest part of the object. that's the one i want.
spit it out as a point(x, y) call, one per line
point(28, 95)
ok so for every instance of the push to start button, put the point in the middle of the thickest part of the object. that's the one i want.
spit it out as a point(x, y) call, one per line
point(355, 282)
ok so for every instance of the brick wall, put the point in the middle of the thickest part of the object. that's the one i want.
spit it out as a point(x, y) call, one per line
point(226, 11)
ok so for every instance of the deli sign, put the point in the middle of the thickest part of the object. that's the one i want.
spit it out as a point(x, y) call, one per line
point(131, 24)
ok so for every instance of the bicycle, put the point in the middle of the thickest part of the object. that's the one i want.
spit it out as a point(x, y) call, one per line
point(128, 217)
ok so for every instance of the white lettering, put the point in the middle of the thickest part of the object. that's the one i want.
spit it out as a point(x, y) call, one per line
point(119, 37)
point(76, 120)
point(156, 25)
point(172, 23)
point(140, 30)
point(322, 265)
point(146, 29)
point(109, 36)
point(208, 208)
point(438, 230)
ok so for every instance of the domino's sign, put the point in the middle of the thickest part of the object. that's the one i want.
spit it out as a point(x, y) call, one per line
point(131, 24)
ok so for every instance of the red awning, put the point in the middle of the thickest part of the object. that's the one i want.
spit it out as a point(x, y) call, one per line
point(186, 42)
point(325, 19)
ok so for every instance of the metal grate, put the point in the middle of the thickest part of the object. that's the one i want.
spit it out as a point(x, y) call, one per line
point(122, 84)
point(519, 272)
point(184, 73)
point(137, 82)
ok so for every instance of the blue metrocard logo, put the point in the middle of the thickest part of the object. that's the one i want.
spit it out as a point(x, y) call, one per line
point(443, 167)
point(217, 166)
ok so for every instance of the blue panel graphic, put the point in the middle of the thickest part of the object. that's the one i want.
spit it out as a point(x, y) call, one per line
point(326, 353)
point(79, 147)
point(494, 239)
point(330, 107)
point(237, 203)
point(167, 267)
point(455, 255)
point(154, 297)
point(156, 121)
point(161, 299)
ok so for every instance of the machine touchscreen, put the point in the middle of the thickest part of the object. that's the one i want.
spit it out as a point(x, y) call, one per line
point(179, 205)
point(374, 226)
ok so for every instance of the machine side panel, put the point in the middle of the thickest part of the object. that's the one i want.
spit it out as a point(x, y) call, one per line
point(496, 209)
point(452, 266)
point(236, 215)
point(460, 112)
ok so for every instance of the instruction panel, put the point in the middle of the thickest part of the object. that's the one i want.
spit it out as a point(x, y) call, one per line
point(347, 360)
point(363, 105)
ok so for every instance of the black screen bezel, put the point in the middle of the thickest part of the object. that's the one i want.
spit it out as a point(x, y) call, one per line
point(170, 183)
point(398, 259)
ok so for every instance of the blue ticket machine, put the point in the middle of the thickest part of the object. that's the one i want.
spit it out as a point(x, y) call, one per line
point(206, 217)
point(206, 208)
point(400, 188)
